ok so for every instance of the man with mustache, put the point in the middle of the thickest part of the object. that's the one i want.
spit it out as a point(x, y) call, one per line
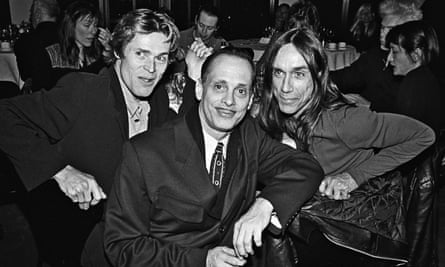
point(185, 193)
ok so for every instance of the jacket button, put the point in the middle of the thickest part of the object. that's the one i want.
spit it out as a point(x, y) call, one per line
point(221, 229)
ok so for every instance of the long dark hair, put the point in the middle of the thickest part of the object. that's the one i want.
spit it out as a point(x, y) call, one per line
point(68, 46)
point(325, 94)
point(416, 34)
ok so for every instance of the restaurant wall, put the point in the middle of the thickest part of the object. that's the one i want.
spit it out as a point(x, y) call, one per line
point(19, 10)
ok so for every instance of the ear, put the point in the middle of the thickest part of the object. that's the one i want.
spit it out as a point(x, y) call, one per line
point(417, 55)
point(250, 102)
point(198, 89)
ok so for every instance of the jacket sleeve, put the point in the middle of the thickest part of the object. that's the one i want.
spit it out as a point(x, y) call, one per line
point(33, 124)
point(397, 138)
point(127, 237)
point(290, 177)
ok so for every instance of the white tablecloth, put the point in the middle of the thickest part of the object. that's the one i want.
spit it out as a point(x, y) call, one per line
point(8, 68)
point(340, 58)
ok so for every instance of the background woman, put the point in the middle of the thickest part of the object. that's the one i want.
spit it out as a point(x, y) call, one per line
point(355, 147)
point(83, 46)
point(365, 30)
point(414, 51)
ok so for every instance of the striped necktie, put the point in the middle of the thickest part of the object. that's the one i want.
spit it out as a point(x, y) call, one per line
point(217, 166)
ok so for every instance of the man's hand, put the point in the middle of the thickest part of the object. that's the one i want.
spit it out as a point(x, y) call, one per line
point(80, 187)
point(223, 256)
point(250, 226)
point(196, 55)
point(338, 186)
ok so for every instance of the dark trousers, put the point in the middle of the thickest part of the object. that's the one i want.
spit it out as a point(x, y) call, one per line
point(320, 252)
point(59, 227)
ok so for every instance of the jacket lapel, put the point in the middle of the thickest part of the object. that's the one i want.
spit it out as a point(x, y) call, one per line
point(236, 174)
point(120, 108)
point(189, 145)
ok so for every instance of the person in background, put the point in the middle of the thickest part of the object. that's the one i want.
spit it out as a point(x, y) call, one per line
point(205, 28)
point(365, 28)
point(65, 143)
point(356, 148)
point(43, 17)
point(304, 14)
point(185, 194)
point(414, 52)
point(82, 46)
point(281, 18)
point(370, 75)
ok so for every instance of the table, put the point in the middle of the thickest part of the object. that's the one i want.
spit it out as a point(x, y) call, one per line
point(8, 68)
point(337, 58)
point(340, 58)
point(257, 47)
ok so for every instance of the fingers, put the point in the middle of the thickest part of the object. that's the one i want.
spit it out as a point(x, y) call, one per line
point(243, 238)
point(97, 193)
point(200, 49)
point(223, 256)
point(334, 188)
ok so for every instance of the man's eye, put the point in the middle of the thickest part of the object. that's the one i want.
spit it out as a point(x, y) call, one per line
point(299, 74)
point(242, 91)
point(140, 54)
point(277, 73)
point(219, 86)
point(162, 58)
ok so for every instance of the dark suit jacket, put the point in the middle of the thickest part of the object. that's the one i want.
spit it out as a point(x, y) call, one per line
point(82, 122)
point(163, 209)
point(29, 44)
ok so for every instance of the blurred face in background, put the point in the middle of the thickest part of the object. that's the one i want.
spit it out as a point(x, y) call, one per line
point(206, 25)
point(85, 30)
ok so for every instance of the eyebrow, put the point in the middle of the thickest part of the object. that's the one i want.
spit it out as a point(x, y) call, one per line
point(299, 68)
point(149, 51)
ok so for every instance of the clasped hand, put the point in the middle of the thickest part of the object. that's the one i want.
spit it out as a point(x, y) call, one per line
point(195, 57)
point(80, 187)
point(338, 186)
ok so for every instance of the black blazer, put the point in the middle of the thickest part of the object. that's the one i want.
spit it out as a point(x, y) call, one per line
point(160, 211)
point(82, 122)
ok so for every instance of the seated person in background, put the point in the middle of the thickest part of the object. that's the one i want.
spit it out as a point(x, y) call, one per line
point(355, 147)
point(65, 143)
point(281, 18)
point(173, 205)
point(44, 14)
point(365, 28)
point(414, 51)
point(369, 75)
point(306, 14)
point(205, 28)
point(82, 47)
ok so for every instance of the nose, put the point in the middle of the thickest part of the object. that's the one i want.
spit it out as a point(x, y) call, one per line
point(286, 86)
point(150, 65)
point(228, 98)
point(93, 29)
